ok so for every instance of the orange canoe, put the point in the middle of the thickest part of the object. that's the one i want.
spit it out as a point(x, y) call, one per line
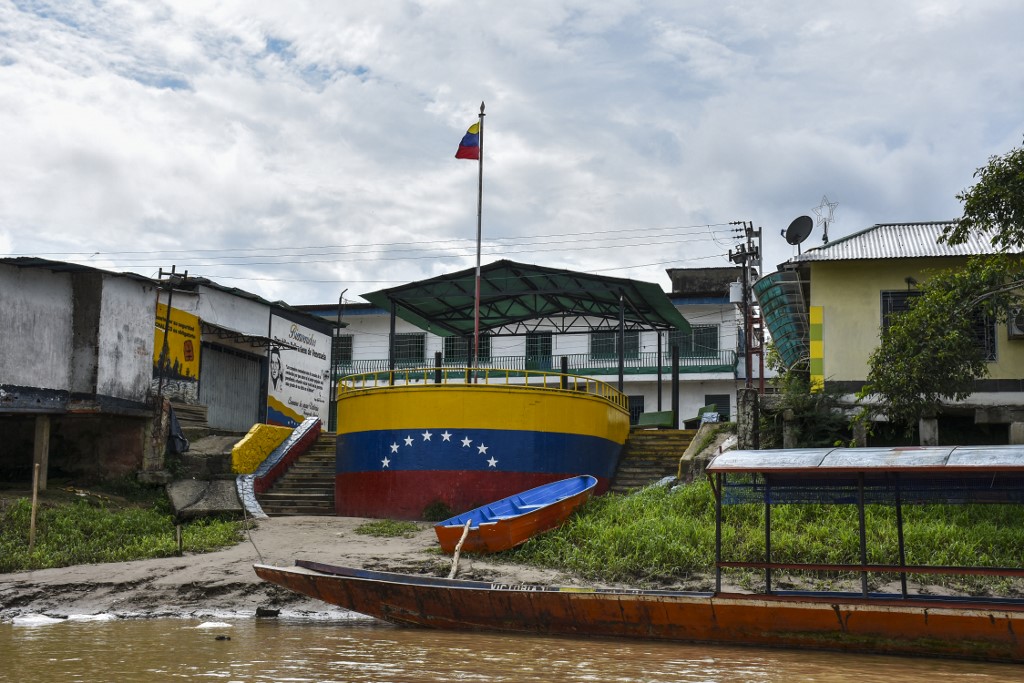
point(510, 521)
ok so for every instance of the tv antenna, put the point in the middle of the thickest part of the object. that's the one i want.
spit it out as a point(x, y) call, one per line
point(798, 231)
point(824, 221)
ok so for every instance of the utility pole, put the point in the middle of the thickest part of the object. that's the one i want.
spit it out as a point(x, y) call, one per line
point(746, 253)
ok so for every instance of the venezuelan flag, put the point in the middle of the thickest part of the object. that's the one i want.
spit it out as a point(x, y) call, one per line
point(469, 148)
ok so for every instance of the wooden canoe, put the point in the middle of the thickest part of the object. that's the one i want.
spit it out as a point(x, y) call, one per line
point(948, 627)
point(510, 521)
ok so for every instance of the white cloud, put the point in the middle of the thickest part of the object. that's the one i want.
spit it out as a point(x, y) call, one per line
point(177, 126)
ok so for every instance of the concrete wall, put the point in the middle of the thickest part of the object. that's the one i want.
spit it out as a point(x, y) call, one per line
point(126, 320)
point(35, 328)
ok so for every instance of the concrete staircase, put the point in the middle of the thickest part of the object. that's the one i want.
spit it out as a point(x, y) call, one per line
point(307, 488)
point(650, 455)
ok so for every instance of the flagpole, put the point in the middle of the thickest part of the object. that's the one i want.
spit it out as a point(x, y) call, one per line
point(479, 230)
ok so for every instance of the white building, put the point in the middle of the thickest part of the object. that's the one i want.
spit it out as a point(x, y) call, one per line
point(711, 366)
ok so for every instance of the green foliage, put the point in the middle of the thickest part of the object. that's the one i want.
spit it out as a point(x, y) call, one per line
point(663, 535)
point(815, 417)
point(437, 511)
point(388, 528)
point(929, 355)
point(85, 532)
point(995, 204)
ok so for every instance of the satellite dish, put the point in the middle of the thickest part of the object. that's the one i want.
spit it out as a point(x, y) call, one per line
point(798, 230)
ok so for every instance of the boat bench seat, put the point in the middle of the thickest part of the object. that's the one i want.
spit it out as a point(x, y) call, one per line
point(526, 508)
point(664, 419)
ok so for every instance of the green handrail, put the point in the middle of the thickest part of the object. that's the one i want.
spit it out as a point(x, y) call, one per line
point(579, 363)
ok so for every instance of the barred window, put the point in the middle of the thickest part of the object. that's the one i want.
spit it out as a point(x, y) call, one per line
point(341, 354)
point(605, 344)
point(982, 327)
point(700, 341)
point(456, 349)
point(410, 347)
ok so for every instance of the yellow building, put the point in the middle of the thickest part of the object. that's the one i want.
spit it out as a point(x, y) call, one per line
point(826, 309)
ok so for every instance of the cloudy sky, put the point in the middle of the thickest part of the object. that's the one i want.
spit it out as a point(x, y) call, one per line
point(299, 149)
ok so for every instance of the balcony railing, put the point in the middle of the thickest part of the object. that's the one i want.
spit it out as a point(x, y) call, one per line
point(644, 363)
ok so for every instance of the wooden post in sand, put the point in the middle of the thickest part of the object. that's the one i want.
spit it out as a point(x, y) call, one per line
point(35, 507)
point(458, 549)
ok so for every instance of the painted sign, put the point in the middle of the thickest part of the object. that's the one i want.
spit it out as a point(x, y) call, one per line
point(299, 381)
point(176, 352)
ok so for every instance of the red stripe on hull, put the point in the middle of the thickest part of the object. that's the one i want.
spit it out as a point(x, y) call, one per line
point(406, 494)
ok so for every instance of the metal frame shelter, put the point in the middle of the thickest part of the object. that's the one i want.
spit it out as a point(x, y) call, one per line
point(861, 476)
point(519, 298)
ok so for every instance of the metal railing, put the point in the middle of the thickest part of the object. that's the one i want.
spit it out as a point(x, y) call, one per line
point(529, 379)
point(644, 363)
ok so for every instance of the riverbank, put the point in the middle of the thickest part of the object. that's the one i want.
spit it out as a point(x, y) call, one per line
point(223, 582)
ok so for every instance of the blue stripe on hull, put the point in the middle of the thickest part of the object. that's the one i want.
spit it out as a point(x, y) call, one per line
point(476, 450)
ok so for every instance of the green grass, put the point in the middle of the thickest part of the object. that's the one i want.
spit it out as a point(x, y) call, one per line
point(92, 530)
point(388, 528)
point(661, 535)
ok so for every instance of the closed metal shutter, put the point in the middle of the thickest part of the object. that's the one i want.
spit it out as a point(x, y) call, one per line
point(229, 387)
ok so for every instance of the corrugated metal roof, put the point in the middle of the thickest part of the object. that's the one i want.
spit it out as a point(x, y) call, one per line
point(897, 240)
point(811, 461)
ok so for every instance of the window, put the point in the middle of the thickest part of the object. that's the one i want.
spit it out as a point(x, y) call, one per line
point(410, 348)
point(456, 349)
point(538, 351)
point(896, 302)
point(605, 344)
point(982, 327)
point(721, 403)
point(636, 407)
point(341, 354)
point(701, 341)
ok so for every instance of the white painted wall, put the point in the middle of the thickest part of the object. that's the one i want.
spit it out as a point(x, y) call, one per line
point(35, 328)
point(127, 314)
point(232, 311)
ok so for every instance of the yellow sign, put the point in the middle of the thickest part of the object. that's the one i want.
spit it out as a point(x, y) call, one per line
point(178, 358)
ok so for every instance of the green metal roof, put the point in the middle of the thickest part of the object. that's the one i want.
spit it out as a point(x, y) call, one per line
point(519, 298)
point(784, 309)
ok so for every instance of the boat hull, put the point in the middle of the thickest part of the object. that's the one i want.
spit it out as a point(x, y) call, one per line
point(822, 622)
point(511, 521)
point(403, 449)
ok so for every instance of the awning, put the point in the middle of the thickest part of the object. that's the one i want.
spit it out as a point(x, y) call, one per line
point(254, 340)
point(518, 298)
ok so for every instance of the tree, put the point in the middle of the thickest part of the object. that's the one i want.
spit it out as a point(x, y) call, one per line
point(994, 205)
point(816, 418)
point(930, 354)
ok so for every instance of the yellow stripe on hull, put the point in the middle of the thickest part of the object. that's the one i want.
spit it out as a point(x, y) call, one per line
point(481, 407)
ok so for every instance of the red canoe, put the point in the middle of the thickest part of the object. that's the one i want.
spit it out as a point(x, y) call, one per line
point(963, 628)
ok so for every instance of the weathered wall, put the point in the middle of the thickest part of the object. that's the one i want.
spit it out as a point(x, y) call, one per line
point(83, 448)
point(86, 302)
point(231, 311)
point(125, 358)
point(35, 328)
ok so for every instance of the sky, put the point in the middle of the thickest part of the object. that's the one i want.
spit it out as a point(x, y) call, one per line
point(305, 151)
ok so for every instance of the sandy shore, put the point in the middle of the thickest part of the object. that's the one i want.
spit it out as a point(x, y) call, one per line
point(223, 582)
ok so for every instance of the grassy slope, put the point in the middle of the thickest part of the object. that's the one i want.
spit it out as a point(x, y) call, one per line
point(98, 528)
point(661, 536)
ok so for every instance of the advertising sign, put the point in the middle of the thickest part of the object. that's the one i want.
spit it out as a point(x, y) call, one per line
point(176, 353)
point(299, 381)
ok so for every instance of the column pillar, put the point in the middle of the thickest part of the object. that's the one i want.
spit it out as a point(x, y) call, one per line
point(41, 448)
